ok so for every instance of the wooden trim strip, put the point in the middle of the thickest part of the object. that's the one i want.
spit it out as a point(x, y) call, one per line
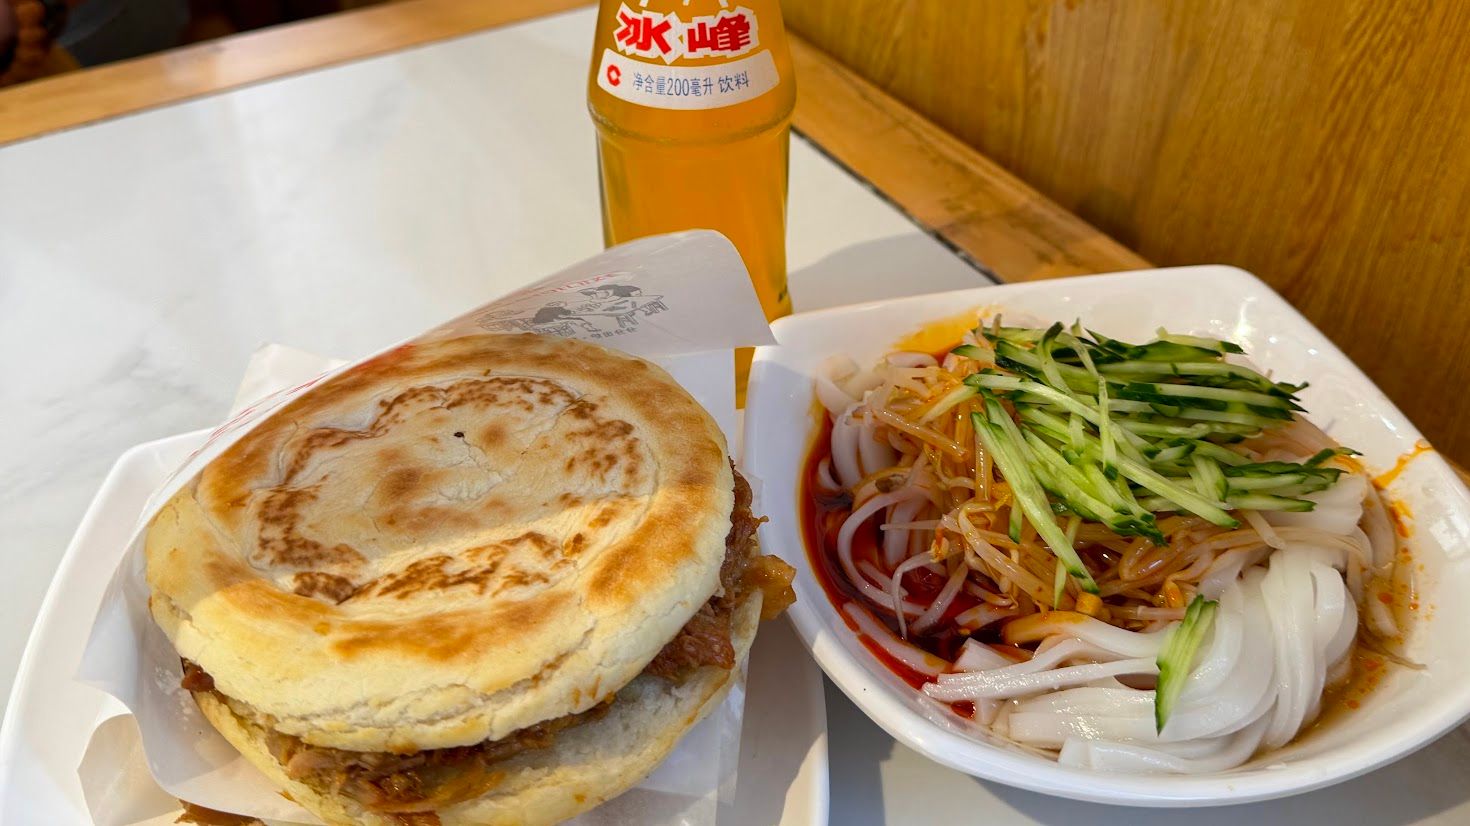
point(78, 98)
point(983, 211)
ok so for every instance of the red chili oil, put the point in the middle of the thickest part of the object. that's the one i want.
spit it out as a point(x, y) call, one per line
point(822, 516)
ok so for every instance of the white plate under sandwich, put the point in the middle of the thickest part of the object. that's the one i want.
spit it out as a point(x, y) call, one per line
point(1409, 710)
point(782, 775)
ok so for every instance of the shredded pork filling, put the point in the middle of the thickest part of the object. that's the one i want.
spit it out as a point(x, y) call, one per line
point(430, 779)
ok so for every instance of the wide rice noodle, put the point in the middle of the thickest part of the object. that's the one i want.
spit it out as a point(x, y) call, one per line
point(1291, 587)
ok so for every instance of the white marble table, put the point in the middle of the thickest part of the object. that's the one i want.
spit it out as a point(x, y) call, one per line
point(143, 259)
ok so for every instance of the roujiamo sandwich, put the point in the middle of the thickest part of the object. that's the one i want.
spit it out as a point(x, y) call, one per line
point(487, 580)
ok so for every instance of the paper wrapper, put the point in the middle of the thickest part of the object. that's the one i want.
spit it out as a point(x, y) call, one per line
point(681, 300)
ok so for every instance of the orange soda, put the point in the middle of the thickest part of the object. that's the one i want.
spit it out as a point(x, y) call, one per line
point(692, 101)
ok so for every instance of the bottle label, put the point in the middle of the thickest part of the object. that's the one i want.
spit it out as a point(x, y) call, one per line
point(641, 38)
point(687, 87)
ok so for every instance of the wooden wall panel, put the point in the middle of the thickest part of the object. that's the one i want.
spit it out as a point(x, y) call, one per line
point(1322, 144)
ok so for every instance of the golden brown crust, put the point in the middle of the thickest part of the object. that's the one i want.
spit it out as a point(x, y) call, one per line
point(450, 542)
point(588, 765)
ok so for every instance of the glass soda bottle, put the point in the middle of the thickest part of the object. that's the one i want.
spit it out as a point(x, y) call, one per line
point(692, 101)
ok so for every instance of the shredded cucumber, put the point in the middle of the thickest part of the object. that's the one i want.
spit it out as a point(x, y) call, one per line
point(970, 351)
point(1003, 441)
point(1176, 659)
point(1114, 432)
point(1059, 584)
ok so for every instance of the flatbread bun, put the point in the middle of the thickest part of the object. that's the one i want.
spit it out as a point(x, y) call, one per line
point(450, 542)
point(587, 765)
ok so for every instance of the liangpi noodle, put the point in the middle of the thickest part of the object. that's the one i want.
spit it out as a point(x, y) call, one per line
point(950, 576)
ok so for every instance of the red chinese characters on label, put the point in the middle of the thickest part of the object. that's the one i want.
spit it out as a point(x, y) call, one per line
point(727, 34)
point(643, 33)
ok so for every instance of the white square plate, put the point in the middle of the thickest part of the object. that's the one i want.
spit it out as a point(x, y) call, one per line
point(1408, 711)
